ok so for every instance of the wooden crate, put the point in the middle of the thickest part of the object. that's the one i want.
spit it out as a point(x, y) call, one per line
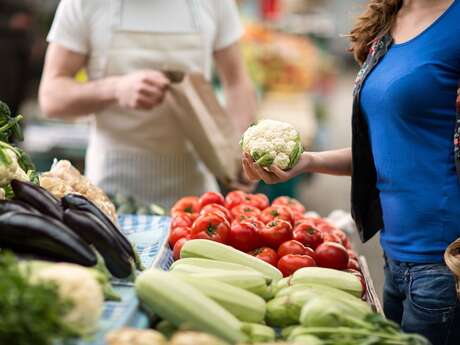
point(371, 295)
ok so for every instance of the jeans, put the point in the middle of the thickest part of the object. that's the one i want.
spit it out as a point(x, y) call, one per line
point(422, 299)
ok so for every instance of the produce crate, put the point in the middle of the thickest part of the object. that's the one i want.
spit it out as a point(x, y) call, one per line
point(371, 295)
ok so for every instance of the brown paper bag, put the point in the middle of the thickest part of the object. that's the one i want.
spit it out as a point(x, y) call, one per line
point(206, 125)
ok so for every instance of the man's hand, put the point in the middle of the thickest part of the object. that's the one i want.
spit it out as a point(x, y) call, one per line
point(141, 90)
point(244, 184)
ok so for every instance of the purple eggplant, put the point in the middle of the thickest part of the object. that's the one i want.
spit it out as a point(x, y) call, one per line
point(95, 233)
point(43, 236)
point(37, 197)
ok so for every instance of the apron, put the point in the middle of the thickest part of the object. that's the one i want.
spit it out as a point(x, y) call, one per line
point(143, 154)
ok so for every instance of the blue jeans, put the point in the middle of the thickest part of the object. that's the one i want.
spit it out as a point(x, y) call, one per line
point(422, 299)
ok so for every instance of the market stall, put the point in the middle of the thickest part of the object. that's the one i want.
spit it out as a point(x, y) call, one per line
point(215, 270)
point(84, 267)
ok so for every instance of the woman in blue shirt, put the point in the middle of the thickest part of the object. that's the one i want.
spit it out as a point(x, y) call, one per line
point(403, 157)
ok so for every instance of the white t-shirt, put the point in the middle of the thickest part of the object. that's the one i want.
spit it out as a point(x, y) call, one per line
point(85, 26)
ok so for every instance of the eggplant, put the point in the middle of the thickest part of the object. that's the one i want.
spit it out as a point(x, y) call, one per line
point(43, 236)
point(16, 206)
point(37, 197)
point(79, 202)
point(94, 232)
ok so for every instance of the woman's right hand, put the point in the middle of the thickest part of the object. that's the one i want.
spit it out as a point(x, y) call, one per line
point(275, 175)
point(141, 90)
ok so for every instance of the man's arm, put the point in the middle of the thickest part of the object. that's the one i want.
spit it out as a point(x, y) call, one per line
point(239, 91)
point(61, 96)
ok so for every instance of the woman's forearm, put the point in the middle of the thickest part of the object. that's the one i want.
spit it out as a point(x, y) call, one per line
point(335, 162)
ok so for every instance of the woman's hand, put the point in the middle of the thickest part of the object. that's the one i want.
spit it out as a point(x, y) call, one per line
point(335, 162)
point(275, 175)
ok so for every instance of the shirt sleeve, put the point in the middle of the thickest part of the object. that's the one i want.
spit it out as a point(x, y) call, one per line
point(69, 27)
point(229, 27)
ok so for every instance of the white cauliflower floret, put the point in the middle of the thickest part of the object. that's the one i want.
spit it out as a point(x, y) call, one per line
point(77, 285)
point(272, 142)
point(259, 147)
point(281, 160)
point(11, 170)
point(290, 145)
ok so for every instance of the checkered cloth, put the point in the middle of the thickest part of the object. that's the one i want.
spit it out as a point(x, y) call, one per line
point(149, 234)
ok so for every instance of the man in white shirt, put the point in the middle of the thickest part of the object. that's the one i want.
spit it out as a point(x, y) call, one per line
point(135, 147)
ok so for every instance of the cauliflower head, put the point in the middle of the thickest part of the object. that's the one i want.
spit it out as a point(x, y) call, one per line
point(272, 142)
point(77, 285)
point(10, 169)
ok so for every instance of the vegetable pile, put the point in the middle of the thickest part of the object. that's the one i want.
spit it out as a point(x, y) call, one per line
point(70, 230)
point(128, 205)
point(279, 233)
point(245, 271)
point(245, 300)
point(69, 294)
point(63, 179)
point(256, 268)
point(14, 162)
point(272, 142)
point(43, 303)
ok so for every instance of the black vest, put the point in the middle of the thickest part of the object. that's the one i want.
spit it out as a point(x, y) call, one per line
point(365, 199)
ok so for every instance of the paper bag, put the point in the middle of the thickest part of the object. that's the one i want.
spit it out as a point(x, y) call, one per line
point(206, 125)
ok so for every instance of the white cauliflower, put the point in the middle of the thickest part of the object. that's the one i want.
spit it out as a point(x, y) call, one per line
point(272, 142)
point(77, 285)
point(9, 168)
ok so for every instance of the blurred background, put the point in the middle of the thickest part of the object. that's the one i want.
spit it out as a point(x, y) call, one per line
point(295, 50)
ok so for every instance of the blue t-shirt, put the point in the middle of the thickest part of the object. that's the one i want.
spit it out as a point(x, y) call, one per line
point(408, 101)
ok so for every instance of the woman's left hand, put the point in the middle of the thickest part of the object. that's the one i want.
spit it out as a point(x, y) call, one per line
point(275, 175)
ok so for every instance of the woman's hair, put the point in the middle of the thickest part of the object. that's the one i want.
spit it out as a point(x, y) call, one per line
point(376, 21)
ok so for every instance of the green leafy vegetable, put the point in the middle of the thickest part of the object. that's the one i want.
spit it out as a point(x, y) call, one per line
point(9, 125)
point(14, 162)
point(377, 331)
point(29, 313)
